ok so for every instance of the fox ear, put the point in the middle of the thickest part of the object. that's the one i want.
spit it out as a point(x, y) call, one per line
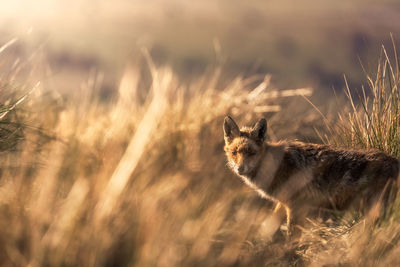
point(231, 129)
point(259, 130)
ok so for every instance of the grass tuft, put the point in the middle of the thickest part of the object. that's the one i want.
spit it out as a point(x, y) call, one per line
point(374, 118)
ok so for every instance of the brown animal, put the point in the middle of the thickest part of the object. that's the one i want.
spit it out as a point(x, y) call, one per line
point(299, 176)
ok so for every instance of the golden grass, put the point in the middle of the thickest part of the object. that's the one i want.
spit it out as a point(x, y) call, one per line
point(131, 182)
point(145, 183)
point(374, 116)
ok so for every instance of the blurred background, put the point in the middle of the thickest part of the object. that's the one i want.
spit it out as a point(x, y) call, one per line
point(111, 141)
point(308, 43)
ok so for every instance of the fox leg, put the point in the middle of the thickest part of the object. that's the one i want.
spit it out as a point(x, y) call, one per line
point(381, 204)
point(277, 207)
point(288, 216)
point(288, 220)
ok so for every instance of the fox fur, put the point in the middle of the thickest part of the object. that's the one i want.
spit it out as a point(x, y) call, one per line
point(297, 175)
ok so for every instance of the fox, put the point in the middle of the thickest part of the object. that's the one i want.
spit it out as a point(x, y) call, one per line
point(299, 176)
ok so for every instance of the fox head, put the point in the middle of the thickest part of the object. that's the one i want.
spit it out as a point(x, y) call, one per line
point(244, 147)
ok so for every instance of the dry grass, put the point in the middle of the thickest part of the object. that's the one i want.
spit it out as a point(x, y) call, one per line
point(142, 181)
point(132, 182)
point(373, 120)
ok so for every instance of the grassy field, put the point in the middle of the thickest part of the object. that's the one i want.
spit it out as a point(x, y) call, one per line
point(111, 140)
point(141, 180)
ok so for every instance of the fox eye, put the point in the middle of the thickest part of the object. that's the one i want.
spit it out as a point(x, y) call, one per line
point(250, 153)
point(234, 152)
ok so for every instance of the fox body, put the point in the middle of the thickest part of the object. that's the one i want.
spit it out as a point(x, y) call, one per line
point(303, 175)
